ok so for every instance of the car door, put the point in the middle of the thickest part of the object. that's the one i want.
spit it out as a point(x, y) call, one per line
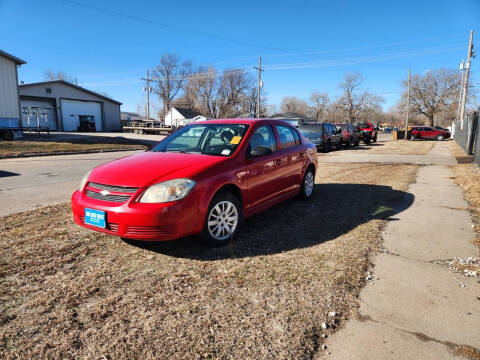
point(336, 134)
point(265, 174)
point(290, 147)
point(428, 133)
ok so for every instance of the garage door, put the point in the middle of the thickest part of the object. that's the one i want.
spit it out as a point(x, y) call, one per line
point(42, 110)
point(74, 110)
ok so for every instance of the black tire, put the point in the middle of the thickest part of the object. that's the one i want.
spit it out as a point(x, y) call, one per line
point(7, 135)
point(224, 236)
point(374, 139)
point(348, 143)
point(329, 146)
point(366, 141)
point(308, 182)
point(439, 138)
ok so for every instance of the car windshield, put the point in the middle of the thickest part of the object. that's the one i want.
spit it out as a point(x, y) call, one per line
point(207, 139)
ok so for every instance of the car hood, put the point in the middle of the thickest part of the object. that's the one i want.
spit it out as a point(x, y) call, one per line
point(150, 167)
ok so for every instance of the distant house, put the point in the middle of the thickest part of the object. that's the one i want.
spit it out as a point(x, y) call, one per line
point(178, 116)
point(9, 103)
point(68, 107)
point(291, 117)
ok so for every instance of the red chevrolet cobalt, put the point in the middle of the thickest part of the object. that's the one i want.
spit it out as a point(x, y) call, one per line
point(203, 179)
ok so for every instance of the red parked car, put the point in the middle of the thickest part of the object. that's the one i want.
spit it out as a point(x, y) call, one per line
point(203, 179)
point(350, 135)
point(427, 132)
point(368, 132)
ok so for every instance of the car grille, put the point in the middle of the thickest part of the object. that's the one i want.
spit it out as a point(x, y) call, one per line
point(122, 193)
point(111, 227)
point(122, 189)
point(149, 230)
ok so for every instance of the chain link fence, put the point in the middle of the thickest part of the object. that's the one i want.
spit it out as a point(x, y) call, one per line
point(469, 137)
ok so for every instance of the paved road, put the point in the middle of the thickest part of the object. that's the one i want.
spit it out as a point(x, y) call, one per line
point(417, 308)
point(27, 183)
point(144, 138)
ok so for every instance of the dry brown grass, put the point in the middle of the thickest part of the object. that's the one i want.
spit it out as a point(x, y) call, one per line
point(467, 352)
point(401, 147)
point(467, 175)
point(67, 292)
point(35, 145)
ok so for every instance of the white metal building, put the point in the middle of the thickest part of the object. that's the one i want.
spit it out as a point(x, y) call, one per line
point(9, 105)
point(177, 116)
point(65, 106)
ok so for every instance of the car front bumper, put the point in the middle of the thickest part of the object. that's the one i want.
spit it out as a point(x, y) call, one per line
point(134, 220)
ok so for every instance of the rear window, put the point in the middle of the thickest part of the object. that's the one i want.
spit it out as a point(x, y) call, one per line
point(285, 135)
point(311, 132)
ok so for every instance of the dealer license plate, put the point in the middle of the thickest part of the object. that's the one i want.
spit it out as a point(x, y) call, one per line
point(95, 217)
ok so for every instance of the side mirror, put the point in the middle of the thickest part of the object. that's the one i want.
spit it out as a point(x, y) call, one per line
point(149, 147)
point(260, 150)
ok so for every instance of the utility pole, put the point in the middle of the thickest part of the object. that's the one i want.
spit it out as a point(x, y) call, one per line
point(465, 82)
point(408, 105)
point(259, 69)
point(147, 89)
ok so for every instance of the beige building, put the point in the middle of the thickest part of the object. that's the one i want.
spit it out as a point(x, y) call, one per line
point(9, 104)
point(65, 106)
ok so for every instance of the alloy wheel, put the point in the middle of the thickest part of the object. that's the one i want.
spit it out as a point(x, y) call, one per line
point(222, 220)
point(309, 183)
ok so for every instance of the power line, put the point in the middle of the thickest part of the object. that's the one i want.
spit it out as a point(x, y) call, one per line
point(168, 26)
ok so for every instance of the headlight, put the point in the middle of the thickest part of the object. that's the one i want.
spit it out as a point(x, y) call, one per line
point(84, 180)
point(166, 191)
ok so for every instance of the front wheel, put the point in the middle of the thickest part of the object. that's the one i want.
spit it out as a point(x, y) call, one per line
point(224, 217)
point(308, 184)
point(439, 137)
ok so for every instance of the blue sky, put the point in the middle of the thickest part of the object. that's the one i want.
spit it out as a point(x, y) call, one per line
point(305, 45)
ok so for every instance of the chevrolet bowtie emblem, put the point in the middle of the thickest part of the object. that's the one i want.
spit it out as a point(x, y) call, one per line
point(105, 192)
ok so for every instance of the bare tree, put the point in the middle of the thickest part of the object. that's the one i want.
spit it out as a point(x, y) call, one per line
point(319, 103)
point(50, 75)
point(220, 95)
point(350, 100)
point(433, 93)
point(295, 105)
point(169, 77)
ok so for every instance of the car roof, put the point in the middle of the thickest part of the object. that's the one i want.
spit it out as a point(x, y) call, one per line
point(247, 121)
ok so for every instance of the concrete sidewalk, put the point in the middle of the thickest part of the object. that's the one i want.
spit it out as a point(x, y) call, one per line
point(416, 308)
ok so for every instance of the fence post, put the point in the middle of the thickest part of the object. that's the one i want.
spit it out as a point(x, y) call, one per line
point(473, 133)
point(476, 148)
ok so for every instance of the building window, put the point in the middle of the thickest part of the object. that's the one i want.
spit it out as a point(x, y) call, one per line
point(48, 90)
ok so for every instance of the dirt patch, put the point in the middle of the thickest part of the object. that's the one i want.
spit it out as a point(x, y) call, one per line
point(467, 175)
point(402, 147)
point(467, 352)
point(42, 144)
point(67, 292)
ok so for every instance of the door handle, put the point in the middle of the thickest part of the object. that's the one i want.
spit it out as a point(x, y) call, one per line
point(278, 162)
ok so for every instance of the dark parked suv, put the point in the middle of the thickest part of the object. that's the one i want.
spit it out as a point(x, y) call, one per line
point(350, 134)
point(324, 136)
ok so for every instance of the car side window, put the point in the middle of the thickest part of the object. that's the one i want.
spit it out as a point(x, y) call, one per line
point(263, 136)
point(297, 137)
point(285, 136)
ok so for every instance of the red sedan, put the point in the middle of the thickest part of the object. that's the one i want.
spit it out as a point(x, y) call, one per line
point(203, 179)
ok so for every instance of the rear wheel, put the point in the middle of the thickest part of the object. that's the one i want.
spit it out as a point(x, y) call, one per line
point(348, 143)
point(308, 184)
point(7, 135)
point(224, 217)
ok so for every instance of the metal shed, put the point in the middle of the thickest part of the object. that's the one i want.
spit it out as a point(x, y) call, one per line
point(66, 107)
